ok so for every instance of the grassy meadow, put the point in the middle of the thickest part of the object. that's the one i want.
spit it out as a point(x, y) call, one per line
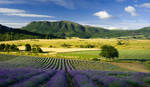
point(87, 48)
point(83, 43)
point(124, 54)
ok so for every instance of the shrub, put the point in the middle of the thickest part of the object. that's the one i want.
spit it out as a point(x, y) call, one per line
point(120, 43)
point(90, 46)
point(33, 50)
point(81, 46)
point(2, 46)
point(37, 50)
point(66, 45)
point(27, 47)
point(86, 46)
point(96, 59)
point(13, 48)
point(51, 46)
point(7, 46)
point(109, 52)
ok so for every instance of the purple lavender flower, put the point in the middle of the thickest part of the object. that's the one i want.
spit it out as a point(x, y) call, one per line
point(82, 80)
point(58, 80)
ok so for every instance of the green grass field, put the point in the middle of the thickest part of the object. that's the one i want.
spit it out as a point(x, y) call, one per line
point(76, 43)
point(132, 49)
point(6, 57)
point(124, 54)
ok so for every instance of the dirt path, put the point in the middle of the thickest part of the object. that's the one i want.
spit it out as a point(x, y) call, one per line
point(68, 49)
point(62, 49)
point(133, 66)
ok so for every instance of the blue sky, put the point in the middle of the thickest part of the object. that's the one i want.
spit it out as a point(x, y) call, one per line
point(111, 14)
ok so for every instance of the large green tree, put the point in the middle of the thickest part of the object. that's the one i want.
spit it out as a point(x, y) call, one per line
point(27, 47)
point(109, 52)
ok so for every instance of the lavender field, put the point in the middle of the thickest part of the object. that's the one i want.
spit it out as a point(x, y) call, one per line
point(23, 71)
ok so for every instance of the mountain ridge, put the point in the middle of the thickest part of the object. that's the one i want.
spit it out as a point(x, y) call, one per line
point(7, 33)
point(71, 29)
point(63, 29)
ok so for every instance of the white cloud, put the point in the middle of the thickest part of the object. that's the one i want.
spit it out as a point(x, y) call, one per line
point(9, 11)
point(146, 5)
point(14, 25)
point(19, 24)
point(131, 10)
point(109, 27)
point(29, 15)
point(112, 28)
point(21, 13)
point(103, 15)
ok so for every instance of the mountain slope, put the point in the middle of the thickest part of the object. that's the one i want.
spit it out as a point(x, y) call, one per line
point(63, 28)
point(7, 33)
point(144, 31)
point(71, 29)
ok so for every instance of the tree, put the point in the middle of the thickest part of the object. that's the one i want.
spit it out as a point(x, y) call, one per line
point(2, 46)
point(33, 50)
point(37, 50)
point(109, 52)
point(120, 42)
point(13, 48)
point(66, 45)
point(27, 47)
point(7, 47)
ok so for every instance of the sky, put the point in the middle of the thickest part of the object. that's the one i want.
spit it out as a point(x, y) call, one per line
point(110, 14)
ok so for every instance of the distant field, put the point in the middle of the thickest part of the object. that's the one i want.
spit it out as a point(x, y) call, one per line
point(80, 43)
point(75, 48)
point(124, 54)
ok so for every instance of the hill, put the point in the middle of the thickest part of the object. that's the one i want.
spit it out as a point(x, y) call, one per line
point(63, 29)
point(71, 29)
point(7, 33)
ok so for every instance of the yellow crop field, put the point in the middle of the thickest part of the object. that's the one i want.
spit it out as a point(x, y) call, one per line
point(78, 43)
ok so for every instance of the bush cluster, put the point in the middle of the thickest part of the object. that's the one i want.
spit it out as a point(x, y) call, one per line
point(109, 52)
point(66, 45)
point(34, 49)
point(7, 47)
point(27, 47)
point(86, 46)
point(120, 43)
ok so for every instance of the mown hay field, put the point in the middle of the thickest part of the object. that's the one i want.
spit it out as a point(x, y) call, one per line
point(81, 43)
point(87, 48)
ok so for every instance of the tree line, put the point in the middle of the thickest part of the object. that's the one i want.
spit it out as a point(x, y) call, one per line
point(14, 48)
point(7, 47)
point(34, 49)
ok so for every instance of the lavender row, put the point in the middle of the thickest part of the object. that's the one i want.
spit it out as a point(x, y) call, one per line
point(111, 79)
point(61, 78)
